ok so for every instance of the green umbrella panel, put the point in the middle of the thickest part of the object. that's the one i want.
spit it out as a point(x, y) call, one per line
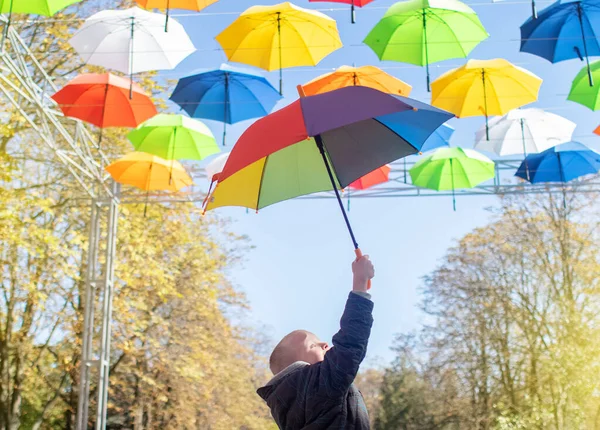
point(451, 169)
point(174, 137)
point(422, 32)
point(581, 92)
point(37, 7)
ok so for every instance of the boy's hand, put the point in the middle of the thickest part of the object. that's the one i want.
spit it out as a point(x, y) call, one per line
point(363, 270)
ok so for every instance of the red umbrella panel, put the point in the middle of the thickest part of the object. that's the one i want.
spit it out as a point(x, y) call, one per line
point(353, 4)
point(103, 100)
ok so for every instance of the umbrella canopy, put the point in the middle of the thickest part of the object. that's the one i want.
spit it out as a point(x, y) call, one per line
point(320, 143)
point(452, 169)
point(561, 163)
point(174, 137)
point(216, 166)
point(131, 41)
point(440, 137)
point(149, 172)
point(523, 131)
point(581, 91)
point(280, 36)
point(102, 100)
point(353, 4)
point(563, 31)
point(422, 32)
point(37, 7)
point(227, 94)
point(376, 177)
point(485, 87)
point(365, 76)
point(196, 5)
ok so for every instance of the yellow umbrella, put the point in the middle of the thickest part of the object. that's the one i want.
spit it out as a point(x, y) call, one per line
point(149, 172)
point(196, 5)
point(365, 76)
point(485, 88)
point(280, 36)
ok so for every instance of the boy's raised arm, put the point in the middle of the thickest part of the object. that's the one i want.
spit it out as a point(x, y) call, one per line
point(341, 363)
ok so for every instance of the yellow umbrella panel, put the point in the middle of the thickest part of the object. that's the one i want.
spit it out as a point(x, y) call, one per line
point(365, 76)
point(485, 88)
point(280, 36)
point(195, 5)
point(149, 172)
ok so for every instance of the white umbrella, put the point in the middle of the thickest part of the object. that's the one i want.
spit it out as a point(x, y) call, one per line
point(524, 131)
point(131, 41)
point(216, 165)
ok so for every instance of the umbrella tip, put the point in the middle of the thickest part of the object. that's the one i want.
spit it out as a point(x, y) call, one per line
point(420, 153)
point(415, 109)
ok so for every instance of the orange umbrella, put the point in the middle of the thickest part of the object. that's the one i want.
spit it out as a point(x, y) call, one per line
point(597, 130)
point(365, 76)
point(103, 100)
point(196, 5)
point(376, 177)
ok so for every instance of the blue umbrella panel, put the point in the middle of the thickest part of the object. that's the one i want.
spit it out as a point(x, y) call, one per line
point(228, 95)
point(564, 30)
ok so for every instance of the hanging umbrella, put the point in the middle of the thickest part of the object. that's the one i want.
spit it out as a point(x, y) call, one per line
point(581, 91)
point(320, 143)
point(37, 7)
point(423, 32)
point(485, 87)
point(149, 172)
point(561, 163)
point(195, 5)
point(563, 31)
point(524, 131)
point(353, 4)
point(174, 137)
point(227, 94)
point(376, 177)
point(440, 137)
point(280, 36)
point(452, 169)
point(365, 76)
point(102, 100)
point(131, 41)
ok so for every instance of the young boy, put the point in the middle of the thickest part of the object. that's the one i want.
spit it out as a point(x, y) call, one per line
point(312, 388)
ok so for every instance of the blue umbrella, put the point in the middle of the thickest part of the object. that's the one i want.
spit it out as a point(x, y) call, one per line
point(560, 163)
point(440, 137)
point(563, 31)
point(227, 94)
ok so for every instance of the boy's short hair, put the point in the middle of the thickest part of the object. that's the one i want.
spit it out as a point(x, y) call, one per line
point(282, 356)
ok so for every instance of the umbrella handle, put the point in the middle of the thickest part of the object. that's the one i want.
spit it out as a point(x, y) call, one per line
point(359, 254)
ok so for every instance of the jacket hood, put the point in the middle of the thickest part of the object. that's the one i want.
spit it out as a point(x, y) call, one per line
point(265, 391)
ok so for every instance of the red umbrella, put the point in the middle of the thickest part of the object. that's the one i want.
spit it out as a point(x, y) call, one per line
point(103, 100)
point(352, 3)
point(376, 177)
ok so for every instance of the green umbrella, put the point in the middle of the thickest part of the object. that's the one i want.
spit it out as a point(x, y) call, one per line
point(37, 7)
point(422, 32)
point(452, 168)
point(174, 137)
point(581, 91)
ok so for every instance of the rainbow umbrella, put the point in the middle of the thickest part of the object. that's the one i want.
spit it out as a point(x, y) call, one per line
point(322, 143)
point(280, 36)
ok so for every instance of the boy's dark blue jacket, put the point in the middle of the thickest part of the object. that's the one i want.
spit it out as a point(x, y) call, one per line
point(322, 396)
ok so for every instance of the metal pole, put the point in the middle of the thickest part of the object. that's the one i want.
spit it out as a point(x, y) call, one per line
point(426, 50)
point(225, 109)
point(352, 13)
point(585, 51)
point(534, 14)
point(485, 108)
point(524, 149)
point(167, 18)
point(131, 59)
point(87, 360)
point(280, 54)
point(108, 285)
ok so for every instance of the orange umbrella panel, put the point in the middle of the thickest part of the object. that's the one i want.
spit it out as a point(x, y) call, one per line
point(103, 100)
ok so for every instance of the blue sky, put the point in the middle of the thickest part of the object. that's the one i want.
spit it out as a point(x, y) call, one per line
point(299, 273)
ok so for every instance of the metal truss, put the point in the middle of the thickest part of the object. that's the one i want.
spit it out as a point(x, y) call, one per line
point(27, 86)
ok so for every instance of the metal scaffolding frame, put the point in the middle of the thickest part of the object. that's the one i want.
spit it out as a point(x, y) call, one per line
point(27, 86)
